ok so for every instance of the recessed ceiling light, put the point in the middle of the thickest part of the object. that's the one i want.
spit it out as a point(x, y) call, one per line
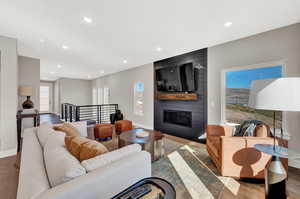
point(125, 61)
point(102, 72)
point(59, 66)
point(158, 49)
point(89, 76)
point(228, 24)
point(65, 47)
point(52, 72)
point(87, 20)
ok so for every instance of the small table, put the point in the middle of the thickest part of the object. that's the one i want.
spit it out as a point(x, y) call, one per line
point(275, 174)
point(147, 143)
point(20, 115)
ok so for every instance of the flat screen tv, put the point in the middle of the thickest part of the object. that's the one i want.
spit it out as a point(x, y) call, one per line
point(176, 78)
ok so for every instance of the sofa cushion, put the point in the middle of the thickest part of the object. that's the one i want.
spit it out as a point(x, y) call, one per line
point(80, 126)
point(92, 149)
point(68, 129)
point(32, 176)
point(43, 131)
point(61, 166)
point(108, 158)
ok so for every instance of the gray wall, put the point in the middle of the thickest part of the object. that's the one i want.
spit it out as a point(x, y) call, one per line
point(75, 91)
point(8, 95)
point(122, 92)
point(280, 44)
point(29, 75)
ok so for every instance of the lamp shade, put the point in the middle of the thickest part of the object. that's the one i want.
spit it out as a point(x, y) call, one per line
point(25, 90)
point(282, 94)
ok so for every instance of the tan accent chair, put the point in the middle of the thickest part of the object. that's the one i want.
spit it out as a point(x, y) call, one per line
point(236, 156)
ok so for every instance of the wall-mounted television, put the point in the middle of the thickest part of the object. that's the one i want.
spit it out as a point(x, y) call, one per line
point(177, 78)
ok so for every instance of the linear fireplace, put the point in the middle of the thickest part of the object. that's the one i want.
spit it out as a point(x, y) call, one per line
point(183, 118)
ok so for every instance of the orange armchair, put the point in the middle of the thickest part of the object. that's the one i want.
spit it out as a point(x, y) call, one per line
point(236, 156)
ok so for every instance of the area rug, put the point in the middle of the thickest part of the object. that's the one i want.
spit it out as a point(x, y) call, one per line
point(190, 170)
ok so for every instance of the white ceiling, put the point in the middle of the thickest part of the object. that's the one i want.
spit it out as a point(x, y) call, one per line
point(131, 29)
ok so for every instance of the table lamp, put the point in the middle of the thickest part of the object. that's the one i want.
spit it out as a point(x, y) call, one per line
point(280, 94)
point(27, 92)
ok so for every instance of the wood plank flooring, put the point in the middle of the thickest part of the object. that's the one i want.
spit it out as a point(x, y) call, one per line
point(247, 190)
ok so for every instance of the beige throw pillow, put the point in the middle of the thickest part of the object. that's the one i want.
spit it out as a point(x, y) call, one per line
point(68, 129)
point(92, 149)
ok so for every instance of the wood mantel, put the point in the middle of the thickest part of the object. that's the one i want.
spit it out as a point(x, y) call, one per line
point(176, 96)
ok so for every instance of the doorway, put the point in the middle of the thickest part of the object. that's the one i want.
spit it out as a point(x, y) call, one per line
point(46, 97)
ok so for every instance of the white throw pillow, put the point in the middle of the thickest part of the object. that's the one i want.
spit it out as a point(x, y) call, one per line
point(108, 158)
point(43, 131)
point(60, 165)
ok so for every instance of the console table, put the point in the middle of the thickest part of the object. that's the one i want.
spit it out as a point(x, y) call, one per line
point(20, 115)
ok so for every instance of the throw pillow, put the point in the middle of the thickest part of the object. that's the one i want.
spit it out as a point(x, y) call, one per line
point(81, 127)
point(91, 149)
point(68, 129)
point(107, 158)
point(43, 131)
point(74, 144)
point(60, 165)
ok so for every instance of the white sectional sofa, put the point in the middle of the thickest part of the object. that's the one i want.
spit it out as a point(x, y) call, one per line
point(102, 182)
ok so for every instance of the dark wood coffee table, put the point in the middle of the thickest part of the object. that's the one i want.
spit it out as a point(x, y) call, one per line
point(147, 143)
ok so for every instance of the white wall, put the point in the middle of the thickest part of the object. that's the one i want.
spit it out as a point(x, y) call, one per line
point(122, 92)
point(280, 44)
point(8, 96)
point(75, 91)
point(29, 75)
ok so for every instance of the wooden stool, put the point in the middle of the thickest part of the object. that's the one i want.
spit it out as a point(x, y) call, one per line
point(103, 131)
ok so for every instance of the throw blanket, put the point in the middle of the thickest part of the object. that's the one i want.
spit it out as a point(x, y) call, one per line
point(247, 128)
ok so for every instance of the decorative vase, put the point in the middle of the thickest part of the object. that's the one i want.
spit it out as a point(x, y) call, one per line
point(28, 104)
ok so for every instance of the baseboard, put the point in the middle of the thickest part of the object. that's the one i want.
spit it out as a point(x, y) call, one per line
point(143, 126)
point(295, 163)
point(8, 153)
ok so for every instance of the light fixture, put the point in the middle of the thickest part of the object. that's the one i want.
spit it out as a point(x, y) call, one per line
point(52, 72)
point(125, 61)
point(102, 72)
point(89, 76)
point(65, 47)
point(59, 66)
point(228, 24)
point(87, 20)
point(158, 49)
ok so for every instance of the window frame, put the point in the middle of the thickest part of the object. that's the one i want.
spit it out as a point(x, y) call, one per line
point(248, 67)
point(135, 98)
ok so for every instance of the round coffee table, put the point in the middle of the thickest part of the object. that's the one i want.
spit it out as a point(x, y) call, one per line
point(130, 137)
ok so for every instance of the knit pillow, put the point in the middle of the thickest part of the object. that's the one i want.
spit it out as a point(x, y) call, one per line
point(74, 144)
point(92, 149)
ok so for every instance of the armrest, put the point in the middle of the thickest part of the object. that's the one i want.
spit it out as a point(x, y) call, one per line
point(104, 182)
point(239, 158)
point(219, 130)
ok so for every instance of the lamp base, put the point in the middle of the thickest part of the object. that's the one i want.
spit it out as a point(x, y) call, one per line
point(275, 180)
point(28, 104)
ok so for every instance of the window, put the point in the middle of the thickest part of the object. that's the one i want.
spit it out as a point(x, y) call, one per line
point(138, 98)
point(106, 95)
point(237, 90)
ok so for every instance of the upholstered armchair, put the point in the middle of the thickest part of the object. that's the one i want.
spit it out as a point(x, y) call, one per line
point(236, 156)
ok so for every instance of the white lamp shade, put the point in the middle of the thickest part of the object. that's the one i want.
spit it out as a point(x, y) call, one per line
point(25, 90)
point(282, 94)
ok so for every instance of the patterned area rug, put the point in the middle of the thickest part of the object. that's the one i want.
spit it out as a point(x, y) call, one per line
point(191, 171)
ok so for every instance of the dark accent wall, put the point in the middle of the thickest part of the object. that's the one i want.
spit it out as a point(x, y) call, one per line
point(197, 107)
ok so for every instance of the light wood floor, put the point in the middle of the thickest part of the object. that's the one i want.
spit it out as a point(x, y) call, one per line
point(247, 190)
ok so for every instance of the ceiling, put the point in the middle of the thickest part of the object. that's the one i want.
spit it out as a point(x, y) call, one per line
point(131, 30)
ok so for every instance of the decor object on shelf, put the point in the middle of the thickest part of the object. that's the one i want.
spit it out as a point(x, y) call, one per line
point(116, 116)
point(27, 92)
point(281, 94)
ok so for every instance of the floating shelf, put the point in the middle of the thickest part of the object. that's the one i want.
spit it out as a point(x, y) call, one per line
point(177, 96)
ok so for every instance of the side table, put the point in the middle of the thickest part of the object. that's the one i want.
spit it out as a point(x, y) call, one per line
point(20, 115)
